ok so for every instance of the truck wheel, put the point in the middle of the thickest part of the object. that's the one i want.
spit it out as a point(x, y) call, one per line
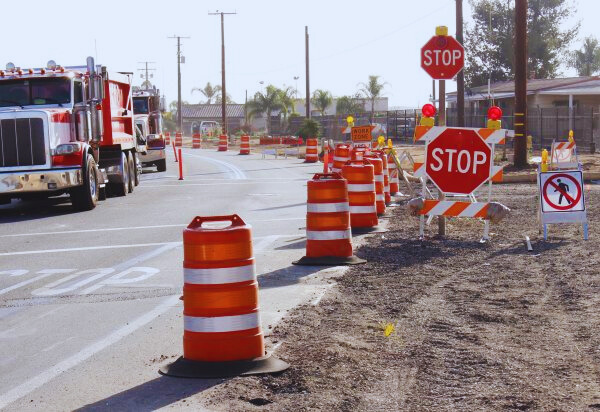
point(85, 197)
point(161, 165)
point(121, 189)
point(132, 171)
point(138, 167)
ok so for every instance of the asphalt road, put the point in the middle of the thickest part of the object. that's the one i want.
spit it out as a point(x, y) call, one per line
point(89, 302)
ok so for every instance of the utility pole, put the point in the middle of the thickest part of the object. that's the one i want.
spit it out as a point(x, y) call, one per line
point(180, 59)
point(307, 75)
point(146, 76)
point(460, 78)
point(223, 89)
point(520, 146)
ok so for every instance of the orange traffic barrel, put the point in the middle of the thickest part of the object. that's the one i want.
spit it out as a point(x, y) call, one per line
point(328, 233)
point(379, 182)
point(167, 138)
point(360, 175)
point(245, 145)
point(394, 175)
point(222, 332)
point(340, 156)
point(386, 177)
point(178, 139)
point(312, 155)
point(196, 141)
point(222, 143)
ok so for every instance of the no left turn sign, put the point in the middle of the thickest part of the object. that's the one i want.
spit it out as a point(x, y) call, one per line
point(562, 191)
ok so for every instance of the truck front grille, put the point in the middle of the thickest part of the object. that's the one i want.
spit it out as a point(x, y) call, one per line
point(22, 142)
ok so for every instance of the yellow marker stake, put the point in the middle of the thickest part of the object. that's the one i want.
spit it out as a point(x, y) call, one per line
point(544, 160)
point(571, 139)
point(390, 145)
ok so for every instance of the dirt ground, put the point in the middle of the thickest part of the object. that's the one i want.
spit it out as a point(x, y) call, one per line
point(475, 326)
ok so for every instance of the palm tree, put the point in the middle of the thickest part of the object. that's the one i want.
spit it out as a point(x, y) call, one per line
point(286, 98)
point(265, 102)
point(209, 91)
point(349, 105)
point(228, 100)
point(586, 60)
point(372, 90)
point(321, 100)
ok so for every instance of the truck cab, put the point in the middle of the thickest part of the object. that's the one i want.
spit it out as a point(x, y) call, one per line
point(65, 130)
point(148, 120)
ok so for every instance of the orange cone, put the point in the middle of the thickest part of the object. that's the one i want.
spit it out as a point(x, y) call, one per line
point(328, 233)
point(312, 155)
point(386, 177)
point(340, 157)
point(167, 138)
point(245, 145)
point(222, 333)
point(196, 141)
point(360, 175)
point(222, 143)
point(178, 139)
point(394, 176)
point(379, 182)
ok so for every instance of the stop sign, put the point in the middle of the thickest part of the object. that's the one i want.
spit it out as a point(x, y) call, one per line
point(458, 161)
point(442, 57)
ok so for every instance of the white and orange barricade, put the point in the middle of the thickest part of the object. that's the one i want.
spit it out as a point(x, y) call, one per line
point(222, 332)
point(167, 138)
point(328, 233)
point(196, 141)
point(386, 176)
point(564, 155)
point(394, 175)
point(454, 208)
point(245, 145)
point(340, 156)
point(377, 163)
point(312, 154)
point(222, 143)
point(178, 139)
point(360, 175)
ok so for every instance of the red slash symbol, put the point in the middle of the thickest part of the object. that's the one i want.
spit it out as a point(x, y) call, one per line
point(571, 202)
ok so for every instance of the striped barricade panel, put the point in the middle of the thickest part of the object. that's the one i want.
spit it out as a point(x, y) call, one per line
point(452, 208)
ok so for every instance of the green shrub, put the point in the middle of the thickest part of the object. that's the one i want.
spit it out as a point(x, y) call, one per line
point(309, 128)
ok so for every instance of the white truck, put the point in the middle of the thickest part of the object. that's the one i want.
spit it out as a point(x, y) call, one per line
point(66, 130)
point(148, 120)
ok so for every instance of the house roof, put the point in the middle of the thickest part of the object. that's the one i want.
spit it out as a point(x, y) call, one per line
point(567, 85)
point(211, 111)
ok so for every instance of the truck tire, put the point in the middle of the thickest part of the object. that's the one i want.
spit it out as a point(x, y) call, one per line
point(161, 165)
point(132, 171)
point(85, 197)
point(138, 167)
point(122, 188)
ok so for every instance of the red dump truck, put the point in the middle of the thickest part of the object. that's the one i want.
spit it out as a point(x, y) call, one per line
point(66, 130)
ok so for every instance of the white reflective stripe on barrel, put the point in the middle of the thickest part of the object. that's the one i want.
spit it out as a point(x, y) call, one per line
point(379, 178)
point(218, 276)
point(380, 198)
point(221, 323)
point(362, 209)
point(340, 159)
point(328, 234)
point(327, 207)
point(392, 165)
point(361, 187)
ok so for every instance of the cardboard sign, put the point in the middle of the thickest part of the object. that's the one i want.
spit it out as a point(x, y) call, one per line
point(562, 191)
point(361, 133)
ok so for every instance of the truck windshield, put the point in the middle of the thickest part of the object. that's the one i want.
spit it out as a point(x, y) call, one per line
point(26, 92)
point(140, 105)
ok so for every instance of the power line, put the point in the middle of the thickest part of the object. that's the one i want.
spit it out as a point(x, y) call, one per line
point(180, 59)
point(146, 76)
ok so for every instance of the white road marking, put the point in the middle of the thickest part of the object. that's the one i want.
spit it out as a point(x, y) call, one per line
point(264, 243)
point(16, 272)
point(49, 290)
point(50, 312)
point(77, 249)
point(112, 229)
point(49, 348)
point(87, 352)
point(234, 171)
point(43, 274)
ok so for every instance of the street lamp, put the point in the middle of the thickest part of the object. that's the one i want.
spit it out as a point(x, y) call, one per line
point(296, 88)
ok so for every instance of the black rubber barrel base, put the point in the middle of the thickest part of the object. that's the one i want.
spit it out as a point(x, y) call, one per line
point(365, 230)
point(185, 368)
point(329, 261)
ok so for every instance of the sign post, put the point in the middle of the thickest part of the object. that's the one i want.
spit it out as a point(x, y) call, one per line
point(442, 57)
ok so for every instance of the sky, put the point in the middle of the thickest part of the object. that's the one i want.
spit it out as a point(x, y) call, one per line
point(264, 41)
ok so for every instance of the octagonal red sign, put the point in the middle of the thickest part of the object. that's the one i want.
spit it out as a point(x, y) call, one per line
point(442, 57)
point(458, 161)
